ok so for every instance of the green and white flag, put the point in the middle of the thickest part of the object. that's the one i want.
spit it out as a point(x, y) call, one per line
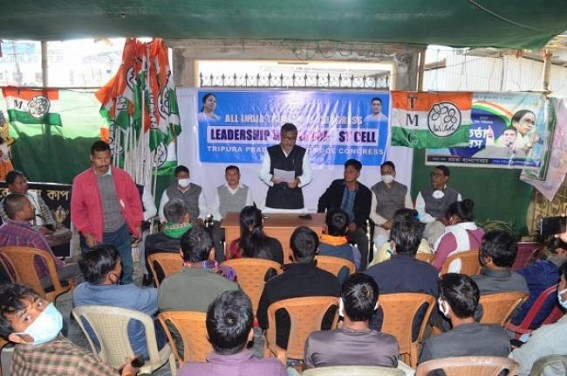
point(33, 106)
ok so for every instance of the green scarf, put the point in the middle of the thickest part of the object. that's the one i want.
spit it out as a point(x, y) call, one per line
point(176, 230)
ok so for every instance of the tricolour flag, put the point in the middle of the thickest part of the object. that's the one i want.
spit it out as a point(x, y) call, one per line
point(430, 120)
point(32, 106)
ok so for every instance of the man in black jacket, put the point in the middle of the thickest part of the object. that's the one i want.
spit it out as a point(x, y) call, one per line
point(354, 198)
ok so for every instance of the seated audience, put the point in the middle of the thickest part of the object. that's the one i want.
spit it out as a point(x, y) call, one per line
point(201, 279)
point(334, 242)
point(229, 327)
point(18, 183)
point(384, 253)
point(34, 325)
point(403, 272)
point(497, 255)
point(355, 343)
point(547, 340)
point(177, 223)
point(101, 268)
point(458, 300)
point(461, 233)
point(539, 276)
point(302, 278)
point(253, 242)
point(355, 199)
point(17, 231)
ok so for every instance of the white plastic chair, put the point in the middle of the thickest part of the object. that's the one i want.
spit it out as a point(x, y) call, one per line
point(110, 326)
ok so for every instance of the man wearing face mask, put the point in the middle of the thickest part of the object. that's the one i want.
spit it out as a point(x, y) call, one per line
point(101, 268)
point(548, 339)
point(389, 196)
point(433, 201)
point(34, 325)
point(458, 299)
point(191, 194)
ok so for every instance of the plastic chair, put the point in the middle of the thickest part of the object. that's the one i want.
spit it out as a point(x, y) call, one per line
point(192, 330)
point(334, 265)
point(110, 326)
point(306, 315)
point(170, 263)
point(469, 365)
point(427, 257)
point(549, 360)
point(251, 273)
point(524, 326)
point(353, 371)
point(19, 264)
point(399, 312)
point(526, 253)
point(497, 308)
point(469, 263)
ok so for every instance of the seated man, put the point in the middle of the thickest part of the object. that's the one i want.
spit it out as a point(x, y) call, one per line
point(17, 231)
point(34, 325)
point(201, 279)
point(333, 242)
point(497, 254)
point(229, 327)
point(101, 268)
point(355, 343)
point(191, 194)
point(355, 199)
point(18, 183)
point(433, 201)
point(403, 272)
point(388, 197)
point(458, 300)
point(539, 276)
point(229, 197)
point(300, 279)
point(177, 223)
point(547, 340)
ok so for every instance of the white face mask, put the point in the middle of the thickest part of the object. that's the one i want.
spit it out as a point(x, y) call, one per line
point(387, 178)
point(438, 194)
point(184, 182)
point(562, 301)
point(443, 307)
point(46, 327)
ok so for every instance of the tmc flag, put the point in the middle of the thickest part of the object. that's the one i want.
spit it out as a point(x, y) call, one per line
point(430, 120)
point(32, 106)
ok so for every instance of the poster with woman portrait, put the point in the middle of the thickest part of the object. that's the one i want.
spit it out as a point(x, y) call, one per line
point(509, 130)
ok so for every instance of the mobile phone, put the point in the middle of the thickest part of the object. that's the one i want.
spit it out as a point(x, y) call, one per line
point(138, 361)
point(552, 225)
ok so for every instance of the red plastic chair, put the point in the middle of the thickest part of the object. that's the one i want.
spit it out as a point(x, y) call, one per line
point(526, 252)
point(524, 326)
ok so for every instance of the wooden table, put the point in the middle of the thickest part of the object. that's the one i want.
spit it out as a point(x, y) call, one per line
point(59, 241)
point(276, 225)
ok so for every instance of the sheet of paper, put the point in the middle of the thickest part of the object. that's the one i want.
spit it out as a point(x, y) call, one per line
point(283, 175)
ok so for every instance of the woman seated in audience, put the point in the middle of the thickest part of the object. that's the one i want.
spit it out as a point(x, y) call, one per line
point(461, 233)
point(253, 242)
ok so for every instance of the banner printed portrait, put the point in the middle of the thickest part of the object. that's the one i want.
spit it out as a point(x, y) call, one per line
point(550, 182)
point(509, 130)
point(237, 126)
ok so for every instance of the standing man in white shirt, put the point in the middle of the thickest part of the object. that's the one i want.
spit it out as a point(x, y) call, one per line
point(286, 157)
